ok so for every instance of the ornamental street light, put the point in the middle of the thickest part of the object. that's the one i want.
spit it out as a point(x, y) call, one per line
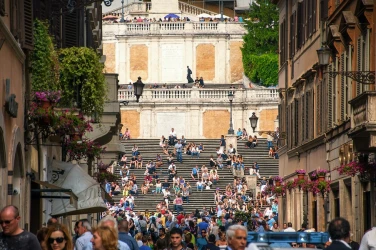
point(231, 98)
point(253, 120)
point(138, 88)
point(324, 55)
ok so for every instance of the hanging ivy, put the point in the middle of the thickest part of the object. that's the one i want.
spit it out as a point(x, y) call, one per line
point(82, 80)
point(44, 60)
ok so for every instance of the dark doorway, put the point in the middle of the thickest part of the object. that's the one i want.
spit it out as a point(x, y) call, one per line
point(35, 210)
point(367, 210)
point(314, 214)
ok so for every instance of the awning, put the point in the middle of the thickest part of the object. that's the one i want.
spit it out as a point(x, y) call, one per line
point(50, 188)
point(88, 191)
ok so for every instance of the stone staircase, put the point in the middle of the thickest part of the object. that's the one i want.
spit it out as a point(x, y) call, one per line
point(150, 147)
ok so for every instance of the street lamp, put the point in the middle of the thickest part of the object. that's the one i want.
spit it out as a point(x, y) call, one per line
point(230, 98)
point(253, 120)
point(138, 88)
point(122, 11)
point(324, 55)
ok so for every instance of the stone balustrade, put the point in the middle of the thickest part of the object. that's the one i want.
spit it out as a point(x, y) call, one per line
point(173, 28)
point(195, 95)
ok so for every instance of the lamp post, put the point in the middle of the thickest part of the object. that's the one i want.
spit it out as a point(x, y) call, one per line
point(138, 88)
point(122, 11)
point(231, 98)
point(324, 55)
point(253, 120)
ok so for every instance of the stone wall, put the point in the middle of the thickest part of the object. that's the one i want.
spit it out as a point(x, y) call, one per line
point(215, 123)
point(236, 62)
point(109, 51)
point(131, 120)
point(205, 61)
point(138, 60)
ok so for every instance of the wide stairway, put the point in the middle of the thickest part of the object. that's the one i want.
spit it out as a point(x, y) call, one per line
point(149, 148)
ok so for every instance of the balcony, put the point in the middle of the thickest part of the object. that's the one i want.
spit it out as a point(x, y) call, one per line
point(202, 96)
point(173, 28)
point(363, 121)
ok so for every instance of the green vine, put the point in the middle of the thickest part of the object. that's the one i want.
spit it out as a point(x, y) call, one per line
point(44, 60)
point(262, 69)
point(82, 73)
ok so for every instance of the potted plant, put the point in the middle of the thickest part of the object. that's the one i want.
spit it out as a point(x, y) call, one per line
point(313, 175)
point(41, 116)
point(300, 173)
point(321, 173)
point(46, 99)
point(318, 186)
point(278, 190)
point(73, 123)
point(289, 185)
point(278, 180)
point(351, 169)
point(300, 183)
point(84, 149)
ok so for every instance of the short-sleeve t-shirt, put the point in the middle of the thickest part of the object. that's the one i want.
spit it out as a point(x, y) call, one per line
point(24, 241)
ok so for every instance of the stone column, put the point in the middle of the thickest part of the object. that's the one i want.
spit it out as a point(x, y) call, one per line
point(252, 184)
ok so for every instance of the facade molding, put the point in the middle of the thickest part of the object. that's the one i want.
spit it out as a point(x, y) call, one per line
point(12, 42)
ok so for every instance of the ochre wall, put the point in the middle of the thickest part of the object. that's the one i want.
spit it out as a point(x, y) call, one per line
point(236, 63)
point(205, 61)
point(109, 51)
point(139, 61)
point(267, 118)
point(131, 120)
point(216, 123)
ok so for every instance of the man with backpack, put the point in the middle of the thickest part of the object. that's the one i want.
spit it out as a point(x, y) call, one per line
point(143, 224)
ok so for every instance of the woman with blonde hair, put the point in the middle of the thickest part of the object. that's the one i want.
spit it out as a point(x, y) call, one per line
point(104, 238)
point(58, 238)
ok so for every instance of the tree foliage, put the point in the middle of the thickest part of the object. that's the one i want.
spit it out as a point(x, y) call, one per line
point(261, 43)
point(44, 60)
point(81, 74)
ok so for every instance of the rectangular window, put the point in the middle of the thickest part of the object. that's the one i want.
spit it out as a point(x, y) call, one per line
point(300, 25)
point(2, 7)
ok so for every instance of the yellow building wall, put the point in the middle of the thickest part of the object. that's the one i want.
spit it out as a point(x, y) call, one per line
point(236, 63)
point(267, 118)
point(131, 120)
point(139, 57)
point(216, 123)
point(205, 61)
point(109, 51)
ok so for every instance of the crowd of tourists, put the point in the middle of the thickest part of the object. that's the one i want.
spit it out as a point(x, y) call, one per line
point(140, 19)
point(134, 231)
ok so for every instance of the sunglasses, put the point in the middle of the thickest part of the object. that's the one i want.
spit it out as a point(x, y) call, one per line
point(58, 240)
point(7, 222)
point(203, 232)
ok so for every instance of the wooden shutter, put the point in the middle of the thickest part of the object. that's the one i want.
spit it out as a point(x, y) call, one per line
point(309, 17)
point(314, 13)
point(2, 7)
point(303, 116)
point(318, 109)
point(296, 121)
point(344, 85)
point(324, 7)
point(292, 34)
point(288, 126)
point(330, 99)
point(311, 115)
point(27, 32)
point(70, 29)
point(300, 25)
point(359, 63)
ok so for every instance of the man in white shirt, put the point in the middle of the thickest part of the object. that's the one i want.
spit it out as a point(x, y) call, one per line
point(289, 228)
point(172, 137)
point(369, 240)
point(83, 229)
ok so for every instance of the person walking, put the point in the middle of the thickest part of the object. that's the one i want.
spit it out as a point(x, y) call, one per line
point(84, 233)
point(339, 231)
point(58, 238)
point(123, 228)
point(369, 240)
point(179, 151)
point(13, 237)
